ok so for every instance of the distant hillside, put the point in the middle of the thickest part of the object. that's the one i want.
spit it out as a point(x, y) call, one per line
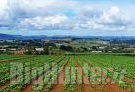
point(7, 36)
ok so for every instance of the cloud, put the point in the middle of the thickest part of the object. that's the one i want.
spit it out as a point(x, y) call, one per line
point(92, 19)
point(89, 12)
point(4, 12)
point(48, 22)
point(114, 16)
point(53, 15)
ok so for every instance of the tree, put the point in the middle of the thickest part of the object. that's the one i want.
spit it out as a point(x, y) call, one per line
point(66, 48)
point(95, 48)
point(29, 52)
point(46, 50)
point(1, 52)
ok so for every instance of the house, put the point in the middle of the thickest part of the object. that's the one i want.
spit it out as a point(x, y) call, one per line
point(17, 51)
point(39, 49)
point(109, 51)
point(12, 49)
point(101, 48)
point(2, 49)
point(4, 46)
point(97, 51)
point(129, 50)
point(10, 40)
point(57, 52)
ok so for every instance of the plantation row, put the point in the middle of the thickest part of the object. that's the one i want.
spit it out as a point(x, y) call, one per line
point(117, 67)
point(8, 57)
point(36, 61)
point(79, 73)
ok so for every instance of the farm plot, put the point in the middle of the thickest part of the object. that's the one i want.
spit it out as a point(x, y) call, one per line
point(69, 73)
point(37, 61)
point(118, 68)
point(13, 57)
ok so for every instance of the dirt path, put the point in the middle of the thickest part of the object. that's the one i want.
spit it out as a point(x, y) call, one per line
point(57, 87)
point(86, 87)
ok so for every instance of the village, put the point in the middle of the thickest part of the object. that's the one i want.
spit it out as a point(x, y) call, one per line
point(64, 46)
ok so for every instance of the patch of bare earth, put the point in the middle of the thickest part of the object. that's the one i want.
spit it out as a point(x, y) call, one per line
point(4, 85)
point(86, 84)
point(57, 87)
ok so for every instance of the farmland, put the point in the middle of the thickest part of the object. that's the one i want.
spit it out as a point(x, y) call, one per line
point(67, 73)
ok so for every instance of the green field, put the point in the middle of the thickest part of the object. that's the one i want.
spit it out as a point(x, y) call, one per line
point(2, 57)
point(76, 69)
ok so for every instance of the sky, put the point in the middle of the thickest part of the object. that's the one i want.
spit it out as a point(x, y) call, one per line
point(68, 17)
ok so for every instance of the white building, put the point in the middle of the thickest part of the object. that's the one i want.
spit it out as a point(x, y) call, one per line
point(2, 49)
point(39, 49)
point(96, 51)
